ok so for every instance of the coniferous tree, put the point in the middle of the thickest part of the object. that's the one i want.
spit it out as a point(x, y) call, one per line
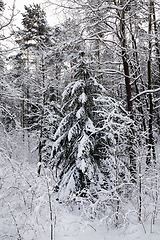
point(74, 144)
point(81, 152)
point(34, 40)
point(36, 30)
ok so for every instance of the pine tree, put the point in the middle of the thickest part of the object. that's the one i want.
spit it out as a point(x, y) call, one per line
point(34, 41)
point(36, 31)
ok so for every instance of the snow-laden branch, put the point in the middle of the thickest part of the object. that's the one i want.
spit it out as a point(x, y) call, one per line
point(145, 92)
point(11, 17)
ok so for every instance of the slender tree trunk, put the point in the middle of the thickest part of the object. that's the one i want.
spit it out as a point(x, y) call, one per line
point(124, 58)
point(140, 191)
point(40, 153)
point(40, 146)
point(157, 45)
point(23, 111)
point(118, 203)
point(158, 114)
point(98, 58)
point(151, 146)
point(128, 90)
point(136, 74)
point(156, 36)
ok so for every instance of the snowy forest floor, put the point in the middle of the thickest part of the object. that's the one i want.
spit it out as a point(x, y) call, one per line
point(27, 201)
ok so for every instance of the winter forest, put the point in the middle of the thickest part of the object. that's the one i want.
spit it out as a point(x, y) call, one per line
point(80, 120)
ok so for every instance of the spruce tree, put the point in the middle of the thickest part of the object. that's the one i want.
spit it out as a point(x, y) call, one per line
point(82, 153)
point(74, 141)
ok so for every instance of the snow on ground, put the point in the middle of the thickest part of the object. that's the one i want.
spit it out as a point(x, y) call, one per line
point(25, 212)
point(72, 227)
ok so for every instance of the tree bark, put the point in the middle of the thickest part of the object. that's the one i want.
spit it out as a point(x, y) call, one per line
point(151, 146)
point(40, 146)
point(157, 53)
point(128, 90)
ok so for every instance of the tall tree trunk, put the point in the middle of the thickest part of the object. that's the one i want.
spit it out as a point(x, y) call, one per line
point(23, 111)
point(124, 58)
point(136, 71)
point(158, 114)
point(151, 146)
point(156, 36)
point(40, 146)
point(98, 58)
point(128, 90)
point(140, 191)
point(157, 45)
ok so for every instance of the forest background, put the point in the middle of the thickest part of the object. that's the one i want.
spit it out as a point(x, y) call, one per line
point(79, 117)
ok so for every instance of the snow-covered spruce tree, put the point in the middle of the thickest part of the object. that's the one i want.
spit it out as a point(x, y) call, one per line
point(81, 142)
point(73, 149)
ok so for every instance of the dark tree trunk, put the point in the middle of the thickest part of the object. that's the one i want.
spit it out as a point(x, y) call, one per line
point(157, 54)
point(151, 146)
point(128, 92)
point(40, 146)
